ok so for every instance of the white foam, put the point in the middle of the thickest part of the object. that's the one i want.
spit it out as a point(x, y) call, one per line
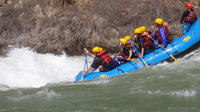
point(188, 59)
point(4, 88)
point(184, 93)
point(25, 68)
point(180, 93)
point(49, 94)
point(44, 93)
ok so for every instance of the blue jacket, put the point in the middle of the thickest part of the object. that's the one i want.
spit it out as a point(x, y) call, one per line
point(162, 33)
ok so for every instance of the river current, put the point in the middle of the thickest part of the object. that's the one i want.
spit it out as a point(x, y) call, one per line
point(31, 82)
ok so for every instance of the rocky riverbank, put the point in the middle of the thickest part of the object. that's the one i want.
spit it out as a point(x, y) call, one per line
point(49, 26)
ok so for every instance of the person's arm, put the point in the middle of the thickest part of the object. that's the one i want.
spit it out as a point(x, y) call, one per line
point(130, 54)
point(161, 31)
point(121, 49)
point(95, 64)
point(117, 55)
point(141, 53)
point(88, 70)
point(88, 52)
point(142, 47)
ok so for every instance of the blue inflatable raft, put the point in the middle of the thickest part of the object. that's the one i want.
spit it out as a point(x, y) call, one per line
point(176, 47)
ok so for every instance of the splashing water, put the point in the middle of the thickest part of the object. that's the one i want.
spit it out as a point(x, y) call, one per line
point(166, 87)
point(25, 68)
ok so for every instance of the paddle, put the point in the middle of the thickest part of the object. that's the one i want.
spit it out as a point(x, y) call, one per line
point(85, 64)
point(133, 45)
point(165, 50)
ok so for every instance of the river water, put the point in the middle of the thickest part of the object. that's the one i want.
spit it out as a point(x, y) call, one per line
point(31, 82)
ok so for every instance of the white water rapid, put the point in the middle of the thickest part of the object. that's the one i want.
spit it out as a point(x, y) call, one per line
point(25, 68)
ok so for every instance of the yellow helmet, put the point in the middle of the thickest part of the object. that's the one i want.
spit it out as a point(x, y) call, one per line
point(137, 30)
point(159, 21)
point(123, 40)
point(97, 49)
point(143, 28)
point(127, 37)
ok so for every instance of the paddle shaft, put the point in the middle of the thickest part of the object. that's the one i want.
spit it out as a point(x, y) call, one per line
point(165, 50)
point(133, 45)
point(86, 64)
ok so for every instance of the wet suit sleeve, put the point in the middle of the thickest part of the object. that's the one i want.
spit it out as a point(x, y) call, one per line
point(161, 31)
point(96, 63)
point(185, 14)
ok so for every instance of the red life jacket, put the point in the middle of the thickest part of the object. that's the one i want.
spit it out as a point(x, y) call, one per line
point(190, 17)
point(105, 56)
point(167, 33)
point(125, 54)
point(148, 41)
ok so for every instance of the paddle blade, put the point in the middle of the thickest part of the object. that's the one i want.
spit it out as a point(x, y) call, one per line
point(174, 58)
point(144, 62)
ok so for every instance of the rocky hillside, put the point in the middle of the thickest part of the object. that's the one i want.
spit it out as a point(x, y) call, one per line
point(54, 26)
